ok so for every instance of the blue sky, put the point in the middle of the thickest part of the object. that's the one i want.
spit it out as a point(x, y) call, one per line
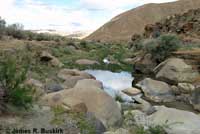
point(66, 15)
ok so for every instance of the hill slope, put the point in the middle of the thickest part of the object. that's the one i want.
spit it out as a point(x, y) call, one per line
point(123, 26)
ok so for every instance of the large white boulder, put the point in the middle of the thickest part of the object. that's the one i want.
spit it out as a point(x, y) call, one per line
point(175, 71)
point(156, 91)
point(96, 100)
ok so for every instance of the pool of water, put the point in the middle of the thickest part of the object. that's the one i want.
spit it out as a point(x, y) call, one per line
point(113, 82)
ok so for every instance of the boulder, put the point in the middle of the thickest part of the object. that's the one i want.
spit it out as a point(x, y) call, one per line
point(71, 76)
point(129, 60)
point(96, 100)
point(156, 91)
point(131, 91)
point(37, 85)
point(186, 87)
point(45, 117)
point(179, 121)
point(70, 82)
point(73, 105)
point(195, 99)
point(144, 65)
point(175, 71)
point(86, 62)
point(53, 87)
point(97, 124)
point(66, 73)
point(175, 90)
point(89, 83)
point(39, 117)
point(144, 106)
point(136, 117)
point(48, 58)
point(118, 131)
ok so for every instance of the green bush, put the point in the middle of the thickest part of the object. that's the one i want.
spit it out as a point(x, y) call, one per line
point(83, 44)
point(12, 77)
point(162, 47)
point(119, 98)
point(16, 31)
point(157, 129)
point(85, 126)
point(2, 27)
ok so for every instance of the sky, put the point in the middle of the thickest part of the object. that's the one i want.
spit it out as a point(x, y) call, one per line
point(66, 15)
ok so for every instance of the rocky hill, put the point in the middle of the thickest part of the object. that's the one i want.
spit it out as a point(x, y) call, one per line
point(123, 26)
point(186, 25)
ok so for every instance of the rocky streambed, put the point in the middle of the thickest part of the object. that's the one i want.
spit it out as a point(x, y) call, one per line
point(91, 94)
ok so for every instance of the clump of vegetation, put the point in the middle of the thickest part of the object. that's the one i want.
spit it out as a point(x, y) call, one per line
point(58, 111)
point(83, 44)
point(85, 126)
point(119, 98)
point(17, 31)
point(161, 47)
point(12, 88)
point(2, 27)
point(134, 128)
point(166, 45)
point(157, 129)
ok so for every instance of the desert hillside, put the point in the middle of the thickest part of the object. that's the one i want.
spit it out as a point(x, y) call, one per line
point(123, 26)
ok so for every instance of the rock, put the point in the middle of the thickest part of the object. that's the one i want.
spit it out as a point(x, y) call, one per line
point(186, 87)
point(99, 127)
point(195, 99)
point(119, 105)
point(91, 83)
point(175, 71)
point(131, 91)
point(66, 73)
point(86, 62)
point(118, 131)
point(56, 62)
point(175, 90)
point(37, 85)
point(144, 65)
point(73, 105)
point(47, 57)
point(156, 91)
point(129, 60)
point(71, 76)
point(53, 87)
point(71, 81)
point(136, 117)
point(39, 117)
point(179, 121)
point(140, 104)
point(96, 100)
point(145, 106)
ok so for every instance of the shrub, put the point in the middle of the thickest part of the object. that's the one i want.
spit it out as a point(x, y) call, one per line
point(162, 47)
point(157, 130)
point(12, 78)
point(119, 98)
point(83, 44)
point(2, 27)
point(15, 30)
point(85, 126)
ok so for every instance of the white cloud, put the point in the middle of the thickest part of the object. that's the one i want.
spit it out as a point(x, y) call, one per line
point(116, 4)
point(89, 15)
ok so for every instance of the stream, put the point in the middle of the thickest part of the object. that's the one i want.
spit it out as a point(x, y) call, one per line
point(114, 82)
